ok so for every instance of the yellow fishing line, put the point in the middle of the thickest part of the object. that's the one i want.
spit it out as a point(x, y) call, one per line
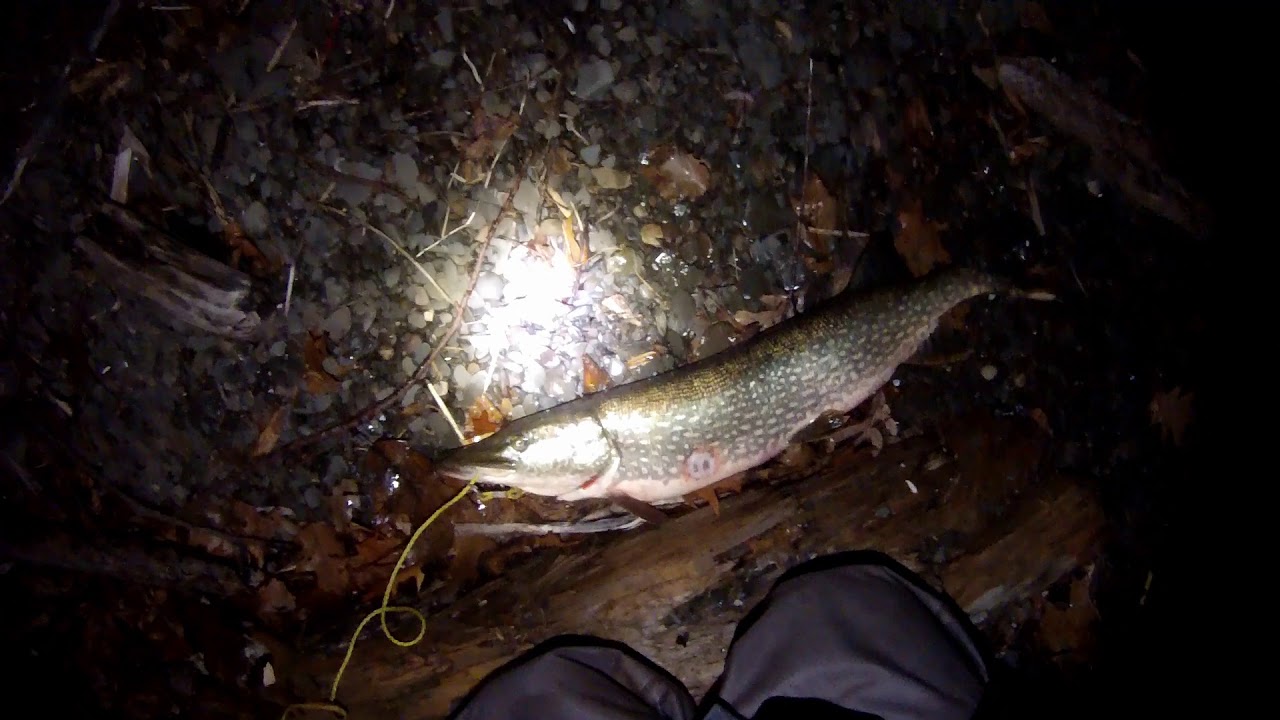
point(383, 611)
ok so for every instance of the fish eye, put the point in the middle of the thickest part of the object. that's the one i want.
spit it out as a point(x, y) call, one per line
point(520, 444)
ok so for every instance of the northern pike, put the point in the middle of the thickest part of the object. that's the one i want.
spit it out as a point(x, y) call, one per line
point(660, 438)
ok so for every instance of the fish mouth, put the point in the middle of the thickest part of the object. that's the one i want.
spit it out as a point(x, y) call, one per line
point(474, 462)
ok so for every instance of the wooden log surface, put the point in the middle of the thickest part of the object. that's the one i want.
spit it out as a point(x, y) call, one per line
point(971, 514)
point(183, 285)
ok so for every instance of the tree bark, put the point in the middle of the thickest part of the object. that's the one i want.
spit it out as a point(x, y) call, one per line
point(981, 526)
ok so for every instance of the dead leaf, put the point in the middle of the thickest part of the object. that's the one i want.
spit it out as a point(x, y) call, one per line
point(594, 378)
point(818, 211)
point(651, 234)
point(918, 239)
point(269, 436)
point(560, 161)
point(610, 178)
point(677, 174)
point(483, 419)
point(775, 311)
point(269, 523)
point(318, 380)
point(1028, 149)
point(1173, 412)
point(487, 132)
point(322, 553)
point(566, 210)
point(577, 252)
point(243, 249)
point(411, 573)
point(274, 598)
point(468, 550)
point(785, 31)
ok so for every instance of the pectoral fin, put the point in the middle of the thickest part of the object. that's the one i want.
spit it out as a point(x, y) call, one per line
point(639, 508)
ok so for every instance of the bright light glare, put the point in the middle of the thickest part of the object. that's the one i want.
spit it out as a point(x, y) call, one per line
point(535, 300)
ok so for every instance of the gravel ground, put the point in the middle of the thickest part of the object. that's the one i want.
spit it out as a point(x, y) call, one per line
point(678, 175)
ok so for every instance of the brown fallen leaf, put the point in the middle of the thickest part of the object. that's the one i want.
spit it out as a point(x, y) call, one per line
point(783, 29)
point(560, 161)
point(1173, 412)
point(314, 352)
point(576, 252)
point(677, 174)
point(242, 248)
point(919, 240)
point(269, 436)
point(321, 552)
point(818, 211)
point(269, 523)
point(483, 419)
point(411, 573)
point(594, 378)
point(487, 132)
point(275, 598)
point(775, 310)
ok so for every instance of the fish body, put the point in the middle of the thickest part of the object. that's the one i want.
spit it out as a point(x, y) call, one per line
point(658, 439)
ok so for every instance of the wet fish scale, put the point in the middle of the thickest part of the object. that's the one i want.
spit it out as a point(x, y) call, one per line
point(661, 438)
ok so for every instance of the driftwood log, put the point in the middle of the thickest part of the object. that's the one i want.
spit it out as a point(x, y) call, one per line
point(184, 286)
point(972, 515)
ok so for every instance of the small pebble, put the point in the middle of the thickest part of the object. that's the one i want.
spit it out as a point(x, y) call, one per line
point(594, 77)
point(626, 91)
point(339, 323)
point(489, 286)
point(989, 372)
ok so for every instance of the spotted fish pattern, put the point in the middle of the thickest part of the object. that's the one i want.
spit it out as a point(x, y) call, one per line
point(658, 439)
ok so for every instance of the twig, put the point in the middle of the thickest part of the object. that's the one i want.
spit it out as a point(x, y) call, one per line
point(444, 410)
point(391, 241)
point(327, 103)
point(622, 522)
point(419, 375)
point(836, 233)
point(474, 73)
point(288, 288)
point(275, 57)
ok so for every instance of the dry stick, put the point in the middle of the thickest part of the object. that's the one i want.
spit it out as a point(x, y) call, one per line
point(419, 375)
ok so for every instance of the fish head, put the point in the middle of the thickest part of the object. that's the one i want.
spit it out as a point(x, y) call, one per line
point(547, 453)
